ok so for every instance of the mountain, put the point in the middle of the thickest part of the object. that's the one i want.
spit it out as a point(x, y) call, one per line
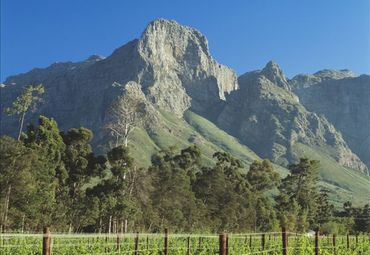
point(266, 116)
point(191, 98)
point(171, 62)
point(344, 99)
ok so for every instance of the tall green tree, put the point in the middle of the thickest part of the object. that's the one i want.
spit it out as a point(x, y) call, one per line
point(46, 141)
point(262, 177)
point(173, 198)
point(325, 210)
point(77, 157)
point(23, 103)
point(116, 202)
point(224, 192)
point(18, 185)
point(300, 189)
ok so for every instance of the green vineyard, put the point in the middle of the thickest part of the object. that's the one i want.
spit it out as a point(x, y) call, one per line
point(183, 244)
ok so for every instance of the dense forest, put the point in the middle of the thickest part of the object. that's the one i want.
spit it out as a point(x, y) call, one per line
point(53, 178)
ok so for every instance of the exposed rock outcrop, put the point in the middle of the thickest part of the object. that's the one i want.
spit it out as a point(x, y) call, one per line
point(170, 62)
point(344, 100)
point(307, 80)
point(266, 116)
point(181, 68)
point(170, 67)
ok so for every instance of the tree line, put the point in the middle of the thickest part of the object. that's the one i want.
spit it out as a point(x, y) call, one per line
point(53, 178)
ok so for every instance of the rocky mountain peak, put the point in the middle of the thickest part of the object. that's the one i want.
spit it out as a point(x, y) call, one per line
point(170, 67)
point(269, 118)
point(165, 33)
point(335, 74)
point(307, 80)
point(176, 68)
point(272, 66)
point(94, 58)
point(273, 72)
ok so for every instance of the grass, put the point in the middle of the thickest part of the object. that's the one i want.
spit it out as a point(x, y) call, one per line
point(344, 184)
point(180, 133)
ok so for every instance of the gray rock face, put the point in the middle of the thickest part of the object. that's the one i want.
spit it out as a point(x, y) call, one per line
point(345, 101)
point(169, 67)
point(273, 72)
point(70, 97)
point(181, 68)
point(266, 116)
point(307, 80)
point(170, 62)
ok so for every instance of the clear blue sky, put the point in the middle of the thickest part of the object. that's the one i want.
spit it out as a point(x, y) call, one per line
point(302, 36)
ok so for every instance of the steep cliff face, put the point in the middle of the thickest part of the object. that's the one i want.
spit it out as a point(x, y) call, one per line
point(170, 68)
point(307, 80)
point(170, 62)
point(344, 100)
point(178, 60)
point(71, 96)
point(266, 116)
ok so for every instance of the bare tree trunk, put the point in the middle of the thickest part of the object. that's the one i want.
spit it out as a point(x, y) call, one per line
point(126, 141)
point(23, 219)
point(110, 224)
point(133, 180)
point(21, 126)
point(115, 225)
point(150, 227)
point(126, 226)
point(126, 134)
point(6, 206)
point(70, 228)
point(100, 222)
point(117, 137)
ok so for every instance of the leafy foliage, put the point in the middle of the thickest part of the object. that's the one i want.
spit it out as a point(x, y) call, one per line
point(54, 178)
point(23, 103)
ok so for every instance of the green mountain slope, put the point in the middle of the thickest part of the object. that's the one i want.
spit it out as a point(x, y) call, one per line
point(179, 133)
point(344, 184)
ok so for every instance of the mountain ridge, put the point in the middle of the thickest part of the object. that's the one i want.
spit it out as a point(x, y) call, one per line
point(176, 73)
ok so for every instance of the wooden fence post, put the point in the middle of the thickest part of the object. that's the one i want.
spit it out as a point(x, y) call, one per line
point(166, 241)
point(188, 250)
point(46, 242)
point(348, 241)
point(147, 242)
point(118, 243)
point(334, 244)
point(263, 242)
point(317, 242)
point(285, 241)
point(222, 244)
point(106, 248)
point(136, 243)
point(227, 244)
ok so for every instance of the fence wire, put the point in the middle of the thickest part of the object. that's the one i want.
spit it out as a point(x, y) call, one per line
point(194, 244)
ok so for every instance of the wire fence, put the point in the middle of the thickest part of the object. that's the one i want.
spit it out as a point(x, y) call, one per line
point(270, 243)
